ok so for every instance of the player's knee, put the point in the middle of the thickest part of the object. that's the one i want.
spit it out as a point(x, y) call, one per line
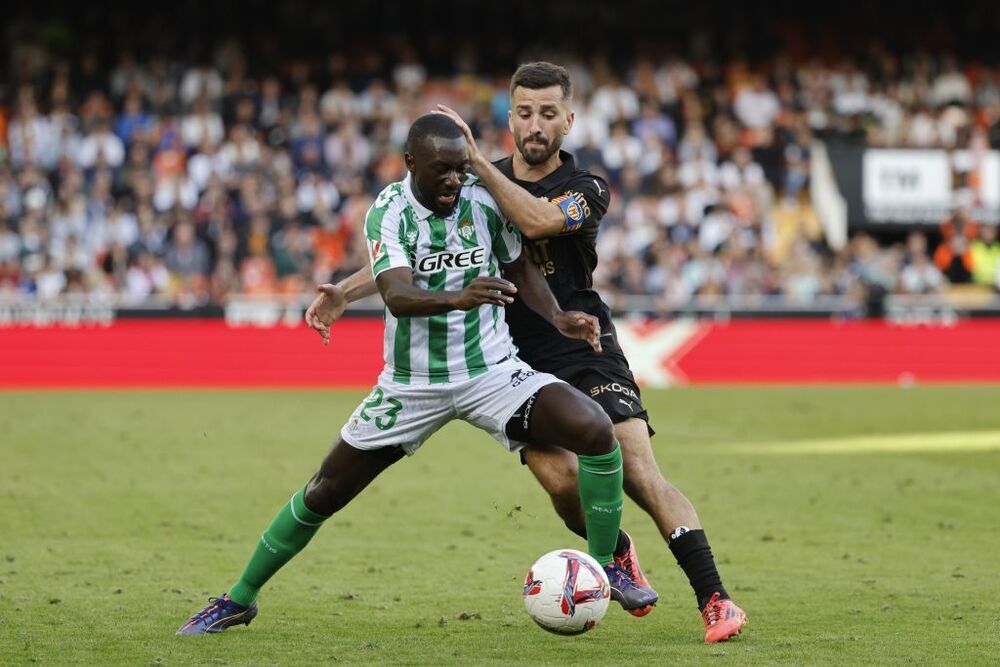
point(324, 496)
point(596, 433)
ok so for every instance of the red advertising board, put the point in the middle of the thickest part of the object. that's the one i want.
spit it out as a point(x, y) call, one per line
point(210, 353)
point(828, 352)
point(190, 353)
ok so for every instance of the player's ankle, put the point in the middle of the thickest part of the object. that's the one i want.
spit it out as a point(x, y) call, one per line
point(623, 544)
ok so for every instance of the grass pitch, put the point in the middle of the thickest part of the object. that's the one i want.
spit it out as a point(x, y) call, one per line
point(855, 525)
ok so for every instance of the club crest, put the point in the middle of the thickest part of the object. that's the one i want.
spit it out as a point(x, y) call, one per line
point(466, 229)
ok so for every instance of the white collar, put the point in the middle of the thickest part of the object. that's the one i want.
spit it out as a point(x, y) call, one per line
point(421, 211)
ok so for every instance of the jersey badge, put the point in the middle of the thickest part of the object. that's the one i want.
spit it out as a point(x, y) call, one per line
point(466, 229)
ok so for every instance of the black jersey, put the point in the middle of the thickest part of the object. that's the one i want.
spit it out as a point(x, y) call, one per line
point(567, 261)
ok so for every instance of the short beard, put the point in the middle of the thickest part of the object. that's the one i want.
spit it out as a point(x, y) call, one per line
point(534, 159)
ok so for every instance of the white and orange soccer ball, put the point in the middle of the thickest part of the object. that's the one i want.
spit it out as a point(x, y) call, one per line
point(566, 592)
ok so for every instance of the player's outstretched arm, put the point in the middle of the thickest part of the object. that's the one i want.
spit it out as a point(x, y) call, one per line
point(536, 218)
point(537, 295)
point(329, 305)
point(404, 299)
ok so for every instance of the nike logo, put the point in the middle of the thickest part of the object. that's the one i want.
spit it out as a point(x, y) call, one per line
point(628, 403)
point(607, 334)
point(599, 188)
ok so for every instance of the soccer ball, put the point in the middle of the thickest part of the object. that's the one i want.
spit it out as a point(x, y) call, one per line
point(566, 592)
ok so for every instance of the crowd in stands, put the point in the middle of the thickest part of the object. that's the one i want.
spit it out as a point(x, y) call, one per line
point(188, 180)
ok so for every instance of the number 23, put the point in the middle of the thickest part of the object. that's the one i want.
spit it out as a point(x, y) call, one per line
point(382, 422)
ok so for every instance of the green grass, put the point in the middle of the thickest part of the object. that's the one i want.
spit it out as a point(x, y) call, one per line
point(855, 525)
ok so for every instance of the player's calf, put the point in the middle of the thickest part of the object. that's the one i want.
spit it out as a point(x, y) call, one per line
point(344, 473)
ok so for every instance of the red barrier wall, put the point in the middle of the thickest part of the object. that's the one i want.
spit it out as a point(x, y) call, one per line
point(190, 353)
point(208, 353)
point(820, 351)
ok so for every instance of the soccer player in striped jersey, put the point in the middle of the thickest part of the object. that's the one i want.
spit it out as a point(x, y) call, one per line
point(441, 255)
point(558, 207)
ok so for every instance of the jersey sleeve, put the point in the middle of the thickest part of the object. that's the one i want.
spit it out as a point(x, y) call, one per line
point(507, 245)
point(382, 230)
point(504, 237)
point(584, 202)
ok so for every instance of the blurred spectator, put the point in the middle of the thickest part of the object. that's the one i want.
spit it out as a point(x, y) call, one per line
point(146, 276)
point(741, 171)
point(133, 122)
point(954, 255)
point(756, 105)
point(200, 81)
point(171, 173)
point(257, 271)
point(950, 86)
point(186, 255)
point(654, 123)
point(100, 147)
point(31, 137)
point(621, 150)
point(985, 252)
point(202, 125)
point(919, 275)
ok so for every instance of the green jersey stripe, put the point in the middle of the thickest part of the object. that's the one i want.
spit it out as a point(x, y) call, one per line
point(494, 271)
point(408, 234)
point(474, 361)
point(496, 231)
point(401, 351)
point(437, 325)
point(386, 201)
point(401, 339)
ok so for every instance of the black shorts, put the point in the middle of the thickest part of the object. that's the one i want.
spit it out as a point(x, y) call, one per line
point(612, 386)
point(614, 389)
point(610, 383)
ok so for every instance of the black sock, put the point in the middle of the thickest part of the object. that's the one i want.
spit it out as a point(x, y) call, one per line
point(623, 543)
point(695, 557)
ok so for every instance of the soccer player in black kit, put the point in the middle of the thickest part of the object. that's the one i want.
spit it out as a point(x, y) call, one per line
point(558, 208)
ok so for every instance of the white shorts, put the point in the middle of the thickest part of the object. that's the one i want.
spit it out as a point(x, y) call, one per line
point(405, 415)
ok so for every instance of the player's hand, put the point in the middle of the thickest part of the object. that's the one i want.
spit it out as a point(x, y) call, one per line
point(325, 310)
point(474, 153)
point(574, 324)
point(491, 291)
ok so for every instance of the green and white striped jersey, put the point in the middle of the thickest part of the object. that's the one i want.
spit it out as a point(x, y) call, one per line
point(443, 254)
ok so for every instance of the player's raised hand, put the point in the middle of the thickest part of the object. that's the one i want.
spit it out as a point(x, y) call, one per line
point(485, 290)
point(325, 309)
point(462, 125)
point(575, 324)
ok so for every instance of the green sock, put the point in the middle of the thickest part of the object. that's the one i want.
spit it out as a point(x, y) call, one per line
point(602, 497)
point(289, 532)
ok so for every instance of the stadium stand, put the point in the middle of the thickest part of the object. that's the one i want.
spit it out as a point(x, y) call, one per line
point(147, 169)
